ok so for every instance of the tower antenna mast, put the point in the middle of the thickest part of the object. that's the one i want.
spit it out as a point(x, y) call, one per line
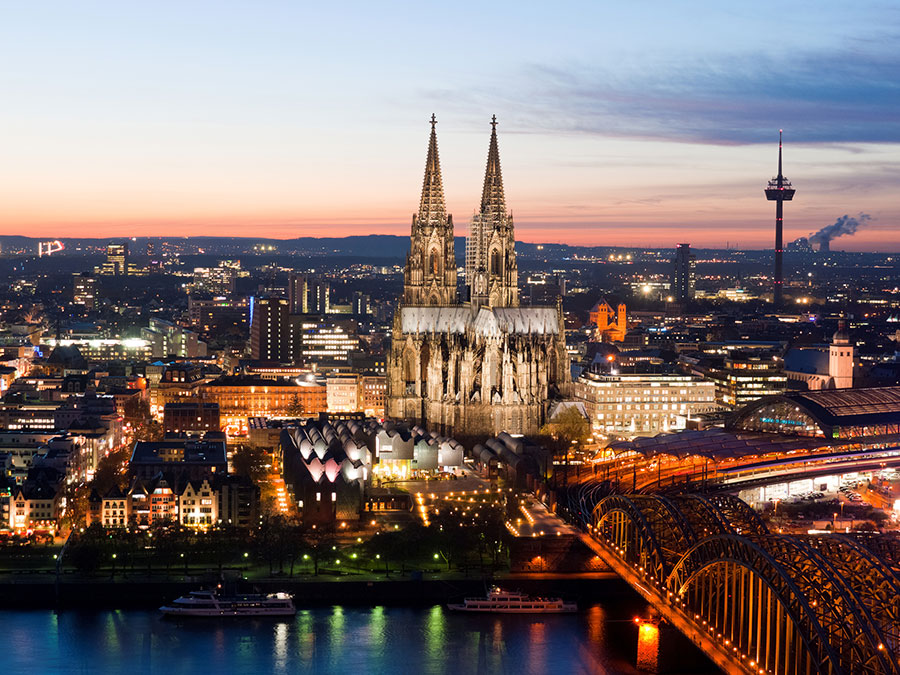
point(779, 191)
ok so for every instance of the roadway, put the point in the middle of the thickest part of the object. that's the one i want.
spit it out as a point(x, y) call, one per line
point(535, 520)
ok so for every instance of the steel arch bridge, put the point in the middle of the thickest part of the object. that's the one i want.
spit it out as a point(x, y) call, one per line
point(756, 602)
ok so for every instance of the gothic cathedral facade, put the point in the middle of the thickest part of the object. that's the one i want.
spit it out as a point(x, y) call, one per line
point(483, 365)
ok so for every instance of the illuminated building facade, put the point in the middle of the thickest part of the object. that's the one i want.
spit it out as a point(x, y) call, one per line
point(642, 404)
point(198, 504)
point(191, 417)
point(100, 350)
point(116, 260)
point(344, 393)
point(742, 376)
point(219, 315)
point(318, 296)
point(240, 397)
point(115, 508)
point(298, 294)
point(325, 468)
point(268, 329)
point(217, 280)
point(169, 339)
point(402, 453)
point(179, 382)
point(611, 325)
point(373, 388)
point(828, 367)
point(28, 415)
point(747, 377)
point(361, 304)
point(683, 274)
point(33, 507)
point(315, 340)
point(179, 460)
point(277, 335)
point(84, 290)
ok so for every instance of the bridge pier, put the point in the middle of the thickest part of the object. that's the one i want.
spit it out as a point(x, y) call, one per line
point(648, 646)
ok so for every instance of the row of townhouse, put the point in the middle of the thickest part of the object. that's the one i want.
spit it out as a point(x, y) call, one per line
point(224, 500)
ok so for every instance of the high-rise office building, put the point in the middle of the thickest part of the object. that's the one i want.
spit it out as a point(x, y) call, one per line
point(683, 274)
point(316, 339)
point(361, 304)
point(268, 329)
point(116, 259)
point(318, 297)
point(217, 280)
point(298, 293)
point(84, 290)
point(308, 295)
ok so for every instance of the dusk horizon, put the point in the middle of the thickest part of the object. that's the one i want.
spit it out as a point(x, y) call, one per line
point(185, 122)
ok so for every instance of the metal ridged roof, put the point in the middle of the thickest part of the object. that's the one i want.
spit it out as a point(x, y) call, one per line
point(849, 402)
point(717, 444)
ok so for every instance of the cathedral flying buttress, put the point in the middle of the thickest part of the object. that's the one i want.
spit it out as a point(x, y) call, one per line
point(478, 367)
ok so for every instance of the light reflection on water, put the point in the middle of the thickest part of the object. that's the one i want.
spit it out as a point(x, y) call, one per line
point(324, 640)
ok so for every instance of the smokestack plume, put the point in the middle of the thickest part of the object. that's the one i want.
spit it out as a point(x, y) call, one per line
point(843, 225)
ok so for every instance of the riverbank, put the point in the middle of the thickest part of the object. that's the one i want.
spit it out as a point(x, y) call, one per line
point(30, 592)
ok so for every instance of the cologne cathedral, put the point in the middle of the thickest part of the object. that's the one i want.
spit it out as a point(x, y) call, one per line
point(483, 365)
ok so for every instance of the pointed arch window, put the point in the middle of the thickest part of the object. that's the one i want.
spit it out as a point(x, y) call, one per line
point(495, 262)
point(434, 264)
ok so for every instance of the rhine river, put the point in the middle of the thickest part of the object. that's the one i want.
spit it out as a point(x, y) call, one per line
point(322, 640)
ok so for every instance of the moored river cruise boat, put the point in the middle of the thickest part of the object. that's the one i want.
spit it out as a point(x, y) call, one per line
point(500, 601)
point(210, 603)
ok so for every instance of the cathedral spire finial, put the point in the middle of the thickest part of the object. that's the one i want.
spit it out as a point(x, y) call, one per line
point(432, 207)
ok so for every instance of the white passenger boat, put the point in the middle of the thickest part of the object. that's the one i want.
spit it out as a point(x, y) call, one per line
point(210, 603)
point(501, 601)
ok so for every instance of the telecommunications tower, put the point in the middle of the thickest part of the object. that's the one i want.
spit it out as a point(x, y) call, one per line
point(779, 191)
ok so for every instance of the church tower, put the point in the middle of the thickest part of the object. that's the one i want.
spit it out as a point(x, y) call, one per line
point(492, 275)
point(430, 274)
point(840, 358)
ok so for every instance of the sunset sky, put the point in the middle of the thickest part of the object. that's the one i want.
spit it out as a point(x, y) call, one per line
point(630, 123)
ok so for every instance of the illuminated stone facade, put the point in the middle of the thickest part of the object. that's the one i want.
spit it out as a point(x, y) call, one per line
point(642, 404)
point(611, 325)
point(483, 366)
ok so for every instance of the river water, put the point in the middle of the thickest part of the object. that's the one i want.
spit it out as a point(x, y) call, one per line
point(322, 640)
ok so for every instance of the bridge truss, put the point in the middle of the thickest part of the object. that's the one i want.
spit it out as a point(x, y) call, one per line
point(758, 602)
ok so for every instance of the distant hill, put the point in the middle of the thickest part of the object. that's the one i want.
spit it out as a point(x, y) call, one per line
point(361, 246)
point(383, 246)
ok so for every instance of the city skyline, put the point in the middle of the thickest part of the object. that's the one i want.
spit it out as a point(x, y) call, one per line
point(614, 131)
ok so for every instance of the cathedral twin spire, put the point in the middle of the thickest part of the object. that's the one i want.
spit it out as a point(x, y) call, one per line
point(492, 199)
point(430, 274)
point(491, 273)
point(432, 206)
